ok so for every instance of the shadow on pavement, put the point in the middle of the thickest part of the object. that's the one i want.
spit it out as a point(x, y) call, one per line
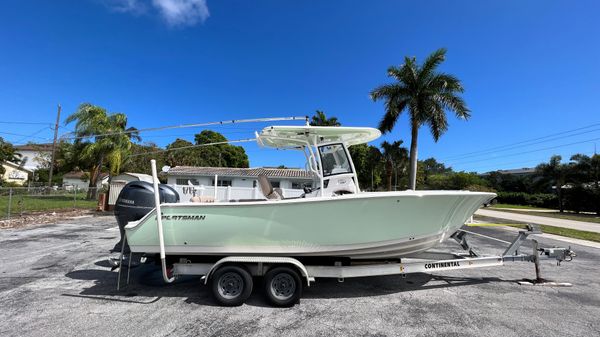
point(146, 286)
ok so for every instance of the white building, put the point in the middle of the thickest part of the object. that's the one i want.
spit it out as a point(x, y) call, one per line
point(118, 182)
point(80, 180)
point(237, 183)
point(14, 173)
point(34, 155)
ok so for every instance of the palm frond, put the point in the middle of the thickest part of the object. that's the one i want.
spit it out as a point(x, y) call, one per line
point(432, 62)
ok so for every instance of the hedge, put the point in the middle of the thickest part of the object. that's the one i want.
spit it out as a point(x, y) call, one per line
point(544, 200)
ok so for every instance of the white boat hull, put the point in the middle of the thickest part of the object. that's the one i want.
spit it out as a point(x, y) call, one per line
point(365, 225)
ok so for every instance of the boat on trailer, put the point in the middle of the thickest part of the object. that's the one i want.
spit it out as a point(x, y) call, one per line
point(336, 219)
point(335, 230)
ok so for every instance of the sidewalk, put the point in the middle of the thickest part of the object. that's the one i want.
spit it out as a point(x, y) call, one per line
point(541, 220)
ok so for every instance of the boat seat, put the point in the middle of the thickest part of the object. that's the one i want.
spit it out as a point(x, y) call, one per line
point(267, 189)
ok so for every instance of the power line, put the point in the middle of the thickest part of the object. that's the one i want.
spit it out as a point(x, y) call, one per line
point(531, 151)
point(194, 133)
point(22, 135)
point(520, 146)
point(233, 121)
point(194, 146)
point(468, 154)
point(33, 134)
point(26, 123)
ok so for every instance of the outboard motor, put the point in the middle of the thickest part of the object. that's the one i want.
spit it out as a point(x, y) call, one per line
point(136, 200)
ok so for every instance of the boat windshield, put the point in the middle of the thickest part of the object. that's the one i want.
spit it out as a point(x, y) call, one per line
point(334, 159)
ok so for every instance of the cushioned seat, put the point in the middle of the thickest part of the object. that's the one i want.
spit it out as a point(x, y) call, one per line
point(267, 189)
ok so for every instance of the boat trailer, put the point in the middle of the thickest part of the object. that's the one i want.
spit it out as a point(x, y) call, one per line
point(231, 277)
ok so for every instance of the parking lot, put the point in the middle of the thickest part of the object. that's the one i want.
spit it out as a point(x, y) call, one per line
point(54, 280)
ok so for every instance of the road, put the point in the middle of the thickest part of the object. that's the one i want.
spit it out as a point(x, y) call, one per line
point(541, 220)
point(54, 281)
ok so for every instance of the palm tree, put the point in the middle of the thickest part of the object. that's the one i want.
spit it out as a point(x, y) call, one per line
point(395, 157)
point(557, 173)
point(319, 119)
point(427, 94)
point(112, 140)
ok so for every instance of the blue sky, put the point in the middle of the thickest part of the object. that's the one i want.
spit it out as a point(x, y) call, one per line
point(530, 68)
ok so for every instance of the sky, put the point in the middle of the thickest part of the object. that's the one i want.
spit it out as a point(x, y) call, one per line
point(530, 69)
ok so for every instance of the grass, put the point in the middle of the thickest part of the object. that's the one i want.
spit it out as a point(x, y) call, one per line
point(556, 214)
point(25, 203)
point(501, 206)
point(566, 232)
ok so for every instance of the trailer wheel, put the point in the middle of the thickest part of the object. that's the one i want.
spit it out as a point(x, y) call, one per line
point(231, 285)
point(283, 286)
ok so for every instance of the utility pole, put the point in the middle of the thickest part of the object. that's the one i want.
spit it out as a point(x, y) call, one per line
point(54, 147)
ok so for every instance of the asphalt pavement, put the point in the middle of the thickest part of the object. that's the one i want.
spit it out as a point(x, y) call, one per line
point(55, 281)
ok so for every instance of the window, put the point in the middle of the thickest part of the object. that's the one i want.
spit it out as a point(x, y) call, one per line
point(275, 184)
point(179, 181)
point(299, 186)
point(221, 182)
point(334, 160)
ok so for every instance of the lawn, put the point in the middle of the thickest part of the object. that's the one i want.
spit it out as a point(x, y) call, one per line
point(567, 232)
point(27, 203)
point(502, 206)
point(556, 214)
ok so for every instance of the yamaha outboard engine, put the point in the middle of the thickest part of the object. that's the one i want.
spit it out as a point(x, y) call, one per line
point(136, 200)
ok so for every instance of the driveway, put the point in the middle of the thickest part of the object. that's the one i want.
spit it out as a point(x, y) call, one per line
point(54, 281)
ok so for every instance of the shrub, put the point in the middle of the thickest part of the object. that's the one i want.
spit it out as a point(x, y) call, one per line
point(544, 200)
point(581, 199)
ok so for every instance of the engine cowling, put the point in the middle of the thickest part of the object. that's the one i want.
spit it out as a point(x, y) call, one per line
point(136, 200)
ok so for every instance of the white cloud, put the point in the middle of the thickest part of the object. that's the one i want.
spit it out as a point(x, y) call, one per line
point(176, 13)
point(182, 12)
point(126, 6)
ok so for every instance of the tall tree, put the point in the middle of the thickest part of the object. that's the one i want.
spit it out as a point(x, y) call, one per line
point(431, 166)
point(319, 119)
point(426, 94)
point(111, 140)
point(556, 173)
point(395, 157)
point(217, 155)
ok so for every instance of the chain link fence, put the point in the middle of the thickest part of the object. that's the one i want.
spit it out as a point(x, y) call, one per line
point(19, 201)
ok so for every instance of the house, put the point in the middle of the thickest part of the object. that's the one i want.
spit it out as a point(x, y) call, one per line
point(15, 174)
point(34, 156)
point(516, 172)
point(236, 183)
point(80, 180)
point(282, 178)
point(118, 182)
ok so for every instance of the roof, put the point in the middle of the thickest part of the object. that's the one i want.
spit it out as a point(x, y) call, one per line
point(80, 174)
point(34, 147)
point(16, 166)
point(294, 136)
point(138, 176)
point(524, 170)
point(239, 172)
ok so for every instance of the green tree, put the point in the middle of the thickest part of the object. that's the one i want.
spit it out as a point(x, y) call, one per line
point(556, 173)
point(7, 153)
point(111, 140)
point(188, 156)
point(213, 155)
point(426, 94)
point(139, 158)
point(319, 119)
point(585, 175)
point(396, 159)
point(431, 166)
point(368, 162)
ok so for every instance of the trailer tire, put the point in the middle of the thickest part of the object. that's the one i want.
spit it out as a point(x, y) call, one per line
point(231, 285)
point(283, 286)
